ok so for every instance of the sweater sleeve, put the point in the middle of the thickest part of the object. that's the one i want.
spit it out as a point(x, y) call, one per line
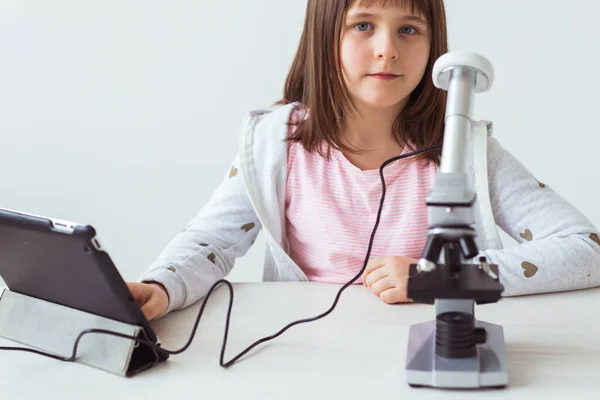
point(223, 230)
point(559, 248)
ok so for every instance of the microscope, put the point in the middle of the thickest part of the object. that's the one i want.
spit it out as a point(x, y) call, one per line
point(455, 351)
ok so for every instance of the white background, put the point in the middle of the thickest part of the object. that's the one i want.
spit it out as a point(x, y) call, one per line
point(125, 114)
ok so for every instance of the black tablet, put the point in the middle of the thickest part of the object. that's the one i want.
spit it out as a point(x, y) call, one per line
point(64, 263)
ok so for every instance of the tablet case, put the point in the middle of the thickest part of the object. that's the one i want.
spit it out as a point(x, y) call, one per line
point(54, 328)
point(47, 310)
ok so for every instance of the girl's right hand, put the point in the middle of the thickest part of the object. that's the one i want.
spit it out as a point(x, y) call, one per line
point(152, 298)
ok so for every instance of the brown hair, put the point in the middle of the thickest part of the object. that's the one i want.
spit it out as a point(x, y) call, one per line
point(315, 80)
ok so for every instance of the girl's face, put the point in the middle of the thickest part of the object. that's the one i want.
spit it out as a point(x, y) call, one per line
point(384, 54)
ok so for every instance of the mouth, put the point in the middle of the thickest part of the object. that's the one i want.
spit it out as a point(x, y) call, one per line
point(384, 76)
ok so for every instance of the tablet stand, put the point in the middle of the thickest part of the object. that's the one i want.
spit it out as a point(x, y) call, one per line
point(53, 328)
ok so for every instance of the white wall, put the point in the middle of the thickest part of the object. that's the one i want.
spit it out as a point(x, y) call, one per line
point(125, 114)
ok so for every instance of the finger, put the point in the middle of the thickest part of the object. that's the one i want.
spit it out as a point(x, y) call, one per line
point(383, 284)
point(372, 265)
point(376, 275)
point(395, 295)
point(135, 289)
point(151, 308)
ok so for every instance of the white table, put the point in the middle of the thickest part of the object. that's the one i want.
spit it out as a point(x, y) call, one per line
point(356, 352)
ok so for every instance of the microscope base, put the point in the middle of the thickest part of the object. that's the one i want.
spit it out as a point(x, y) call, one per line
point(425, 368)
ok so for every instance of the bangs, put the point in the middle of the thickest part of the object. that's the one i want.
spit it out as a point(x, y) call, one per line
point(421, 6)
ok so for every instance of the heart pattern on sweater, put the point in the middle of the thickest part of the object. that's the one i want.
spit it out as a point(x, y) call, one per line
point(247, 227)
point(211, 257)
point(233, 172)
point(595, 238)
point(530, 269)
point(527, 235)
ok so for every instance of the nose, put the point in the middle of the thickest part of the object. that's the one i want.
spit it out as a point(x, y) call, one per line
point(386, 48)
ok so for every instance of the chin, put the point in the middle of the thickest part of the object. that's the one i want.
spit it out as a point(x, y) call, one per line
point(376, 98)
point(381, 103)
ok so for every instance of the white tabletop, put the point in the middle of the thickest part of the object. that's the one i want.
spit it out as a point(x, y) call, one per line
point(356, 352)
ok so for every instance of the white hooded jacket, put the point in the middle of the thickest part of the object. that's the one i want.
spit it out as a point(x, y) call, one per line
point(559, 248)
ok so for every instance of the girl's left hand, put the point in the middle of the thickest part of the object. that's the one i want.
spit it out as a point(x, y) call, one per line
point(387, 277)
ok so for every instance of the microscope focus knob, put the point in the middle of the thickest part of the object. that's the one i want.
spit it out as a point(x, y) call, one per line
point(442, 69)
point(479, 335)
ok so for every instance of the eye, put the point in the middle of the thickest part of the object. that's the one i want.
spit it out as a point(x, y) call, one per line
point(409, 30)
point(363, 26)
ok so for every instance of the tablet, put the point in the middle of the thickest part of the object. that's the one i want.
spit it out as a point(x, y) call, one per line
point(64, 263)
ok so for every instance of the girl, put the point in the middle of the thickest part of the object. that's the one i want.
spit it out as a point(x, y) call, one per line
point(359, 92)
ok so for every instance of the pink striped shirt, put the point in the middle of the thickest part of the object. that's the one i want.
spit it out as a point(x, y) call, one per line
point(331, 209)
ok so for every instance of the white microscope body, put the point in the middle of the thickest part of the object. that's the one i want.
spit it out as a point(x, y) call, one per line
point(455, 350)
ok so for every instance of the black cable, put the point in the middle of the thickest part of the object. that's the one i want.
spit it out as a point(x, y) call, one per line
point(230, 287)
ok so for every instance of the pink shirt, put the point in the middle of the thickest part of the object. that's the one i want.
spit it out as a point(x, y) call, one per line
point(331, 208)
